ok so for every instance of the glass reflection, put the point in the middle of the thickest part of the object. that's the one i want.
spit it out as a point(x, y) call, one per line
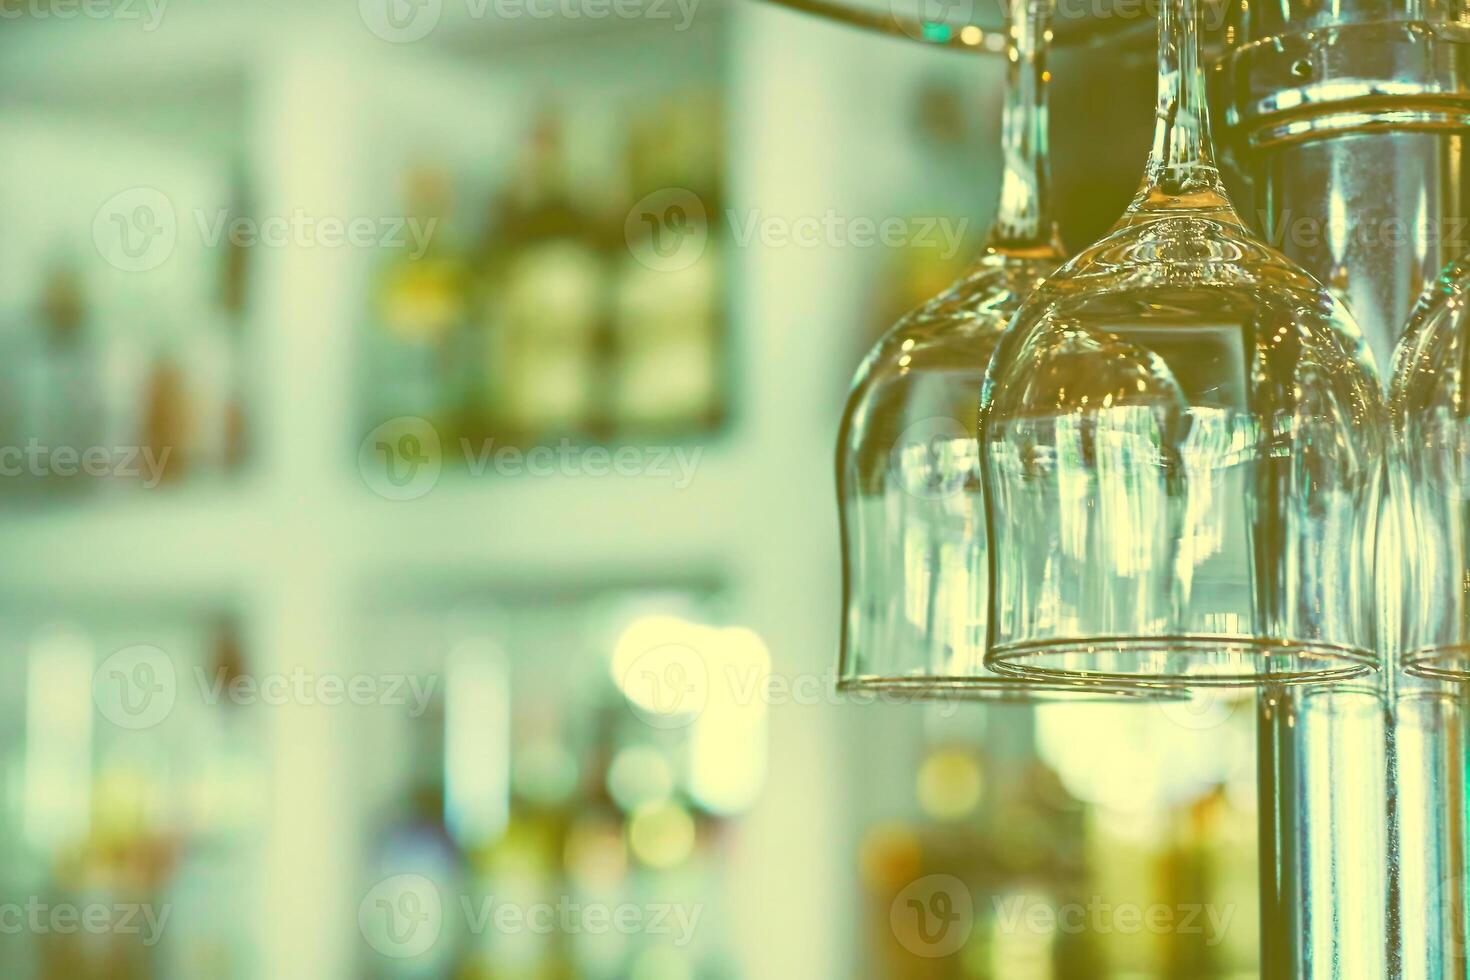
point(1431, 424)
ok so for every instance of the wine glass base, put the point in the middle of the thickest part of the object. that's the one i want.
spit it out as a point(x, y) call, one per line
point(1192, 660)
point(1446, 663)
point(1003, 689)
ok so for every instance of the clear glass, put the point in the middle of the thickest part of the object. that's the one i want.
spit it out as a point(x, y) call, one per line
point(1431, 473)
point(915, 573)
point(1182, 443)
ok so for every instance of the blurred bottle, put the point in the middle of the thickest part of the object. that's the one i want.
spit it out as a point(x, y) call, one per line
point(123, 364)
point(542, 286)
point(668, 309)
point(1191, 877)
point(209, 358)
point(418, 842)
point(165, 416)
point(911, 276)
point(422, 305)
point(522, 867)
point(62, 409)
point(220, 353)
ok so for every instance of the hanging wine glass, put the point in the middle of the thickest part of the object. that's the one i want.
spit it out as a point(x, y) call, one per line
point(914, 567)
point(1429, 404)
point(1181, 439)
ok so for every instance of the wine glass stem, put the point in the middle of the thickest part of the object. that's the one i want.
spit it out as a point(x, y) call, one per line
point(1024, 218)
point(1182, 160)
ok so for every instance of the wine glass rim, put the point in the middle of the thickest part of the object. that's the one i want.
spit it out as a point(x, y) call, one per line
point(999, 687)
point(1339, 662)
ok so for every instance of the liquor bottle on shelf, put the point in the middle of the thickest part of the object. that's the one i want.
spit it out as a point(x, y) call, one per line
point(543, 287)
point(667, 302)
point(165, 417)
point(18, 346)
point(225, 352)
point(422, 307)
point(419, 842)
point(62, 411)
point(123, 368)
point(523, 865)
point(209, 357)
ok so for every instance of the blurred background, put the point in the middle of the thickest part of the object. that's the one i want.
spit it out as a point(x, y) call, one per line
point(421, 561)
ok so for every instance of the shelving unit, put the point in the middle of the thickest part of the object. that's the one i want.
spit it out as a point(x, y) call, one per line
point(300, 546)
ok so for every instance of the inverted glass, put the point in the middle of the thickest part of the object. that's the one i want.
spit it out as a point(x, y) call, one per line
point(1182, 444)
point(915, 572)
point(1429, 405)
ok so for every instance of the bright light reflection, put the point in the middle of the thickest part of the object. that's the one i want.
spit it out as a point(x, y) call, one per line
point(58, 738)
point(728, 746)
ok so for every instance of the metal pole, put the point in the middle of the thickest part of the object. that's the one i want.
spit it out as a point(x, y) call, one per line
point(1362, 790)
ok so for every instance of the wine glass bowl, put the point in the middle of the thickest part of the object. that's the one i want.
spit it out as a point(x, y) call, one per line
point(915, 569)
point(1182, 449)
